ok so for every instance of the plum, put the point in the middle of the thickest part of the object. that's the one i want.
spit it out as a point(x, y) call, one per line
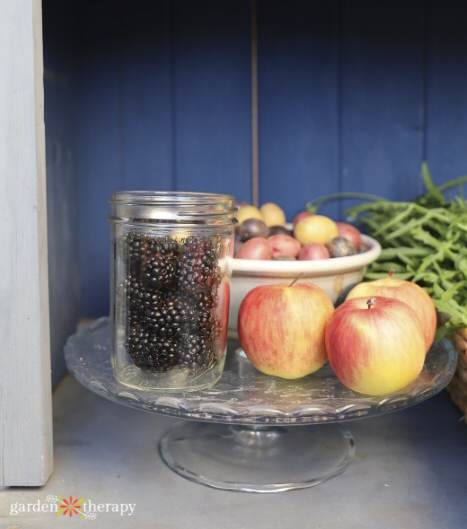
point(252, 228)
point(278, 230)
point(341, 247)
point(256, 248)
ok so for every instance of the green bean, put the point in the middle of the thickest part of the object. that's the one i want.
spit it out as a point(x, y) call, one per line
point(424, 241)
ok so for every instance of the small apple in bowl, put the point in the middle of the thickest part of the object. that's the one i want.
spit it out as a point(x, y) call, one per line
point(350, 233)
point(334, 276)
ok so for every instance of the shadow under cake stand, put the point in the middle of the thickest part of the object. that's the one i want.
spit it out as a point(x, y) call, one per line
point(252, 432)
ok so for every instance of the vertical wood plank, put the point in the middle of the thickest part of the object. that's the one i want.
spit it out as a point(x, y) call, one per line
point(62, 185)
point(298, 113)
point(147, 95)
point(99, 143)
point(382, 97)
point(446, 89)
point(254, 105)
point(25, 388)
point(212, 96)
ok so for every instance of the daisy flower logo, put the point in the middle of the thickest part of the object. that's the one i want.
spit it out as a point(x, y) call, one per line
point(70, 507)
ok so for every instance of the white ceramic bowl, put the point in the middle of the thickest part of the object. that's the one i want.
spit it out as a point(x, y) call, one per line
point(334, 276)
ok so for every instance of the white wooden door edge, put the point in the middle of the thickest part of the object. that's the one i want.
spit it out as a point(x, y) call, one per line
point(25, 388)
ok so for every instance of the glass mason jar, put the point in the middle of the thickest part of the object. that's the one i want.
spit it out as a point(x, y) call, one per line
point(169, 288)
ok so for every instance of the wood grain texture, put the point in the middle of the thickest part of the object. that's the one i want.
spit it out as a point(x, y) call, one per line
point(381, 97)
point(99, 143)
point(254, 106)
point(162, 102)
point(352, 97)
point(147, 96)
point(25, 386)
point(212, 86)
point(446, 89)
point(62, 184)
point(298, 96)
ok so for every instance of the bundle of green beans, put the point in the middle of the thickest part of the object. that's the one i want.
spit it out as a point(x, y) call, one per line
point(424, 241)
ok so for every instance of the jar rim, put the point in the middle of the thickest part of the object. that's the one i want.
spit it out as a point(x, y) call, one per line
point(170, 198)
point(172, 206)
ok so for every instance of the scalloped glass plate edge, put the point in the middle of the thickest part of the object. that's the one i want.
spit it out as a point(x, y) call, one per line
point(89, 362)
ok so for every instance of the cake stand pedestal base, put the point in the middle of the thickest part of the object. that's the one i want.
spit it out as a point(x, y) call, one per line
point(257, 458)
point(252, 432)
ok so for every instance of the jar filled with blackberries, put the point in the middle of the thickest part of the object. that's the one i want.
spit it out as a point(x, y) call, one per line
point(170, 288)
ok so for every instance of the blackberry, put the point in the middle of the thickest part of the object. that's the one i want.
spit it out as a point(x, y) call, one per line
point(160, 267)
point(153, 260)
point(168, 319)
point(139, 301)
point(136, 249)
point(134, 292)
point(206, 321)
point(171, 292)
point(196, 353)
point(197, 265)
point(181, 310)
point(138, 296)
point(149, 352)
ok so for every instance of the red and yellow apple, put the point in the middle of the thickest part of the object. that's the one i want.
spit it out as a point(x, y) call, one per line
point(281, 328)
point(375, 346)
point(407, 292)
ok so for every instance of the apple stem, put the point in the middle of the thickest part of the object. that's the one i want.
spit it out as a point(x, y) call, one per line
point(296, 279)
point(391, 272)
point(371, 302)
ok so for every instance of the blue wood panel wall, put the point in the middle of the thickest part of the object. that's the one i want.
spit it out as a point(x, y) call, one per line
point(212, 96)
point(62, 207)
point(445, 139)
point(99, 143)
point(146, 97)
point(163, 95)
point(298, 102)
point(381, 86)
point(352, 97)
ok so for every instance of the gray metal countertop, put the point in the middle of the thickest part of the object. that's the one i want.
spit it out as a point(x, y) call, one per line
point(410, 471)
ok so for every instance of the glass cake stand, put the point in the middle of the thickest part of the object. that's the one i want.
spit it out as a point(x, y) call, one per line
point(244, 434)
